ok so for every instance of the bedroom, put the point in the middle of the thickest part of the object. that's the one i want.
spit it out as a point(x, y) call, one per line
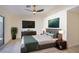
point(14, 15)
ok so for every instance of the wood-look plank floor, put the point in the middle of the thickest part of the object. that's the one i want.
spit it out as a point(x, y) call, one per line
point(14, 47)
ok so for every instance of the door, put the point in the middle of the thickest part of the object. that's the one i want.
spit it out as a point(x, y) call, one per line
point(1, 30)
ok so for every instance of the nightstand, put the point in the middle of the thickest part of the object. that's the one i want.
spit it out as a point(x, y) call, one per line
point(61, 45)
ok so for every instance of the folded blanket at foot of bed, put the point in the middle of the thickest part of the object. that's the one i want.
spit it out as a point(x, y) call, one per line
point(30, 44)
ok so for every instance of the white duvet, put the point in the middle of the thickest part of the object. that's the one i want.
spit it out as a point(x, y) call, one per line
point(44, 39)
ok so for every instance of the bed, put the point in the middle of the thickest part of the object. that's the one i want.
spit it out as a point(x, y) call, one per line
point(37, 42)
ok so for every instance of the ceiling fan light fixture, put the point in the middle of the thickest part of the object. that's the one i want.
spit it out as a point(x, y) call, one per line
point(34, 12)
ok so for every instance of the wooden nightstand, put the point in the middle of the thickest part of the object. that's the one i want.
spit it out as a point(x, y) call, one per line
point(60, 43)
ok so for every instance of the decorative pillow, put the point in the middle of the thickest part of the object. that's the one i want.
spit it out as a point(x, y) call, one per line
point(50, 34)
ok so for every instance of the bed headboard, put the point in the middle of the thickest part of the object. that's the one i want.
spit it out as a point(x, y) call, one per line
point(53, 30)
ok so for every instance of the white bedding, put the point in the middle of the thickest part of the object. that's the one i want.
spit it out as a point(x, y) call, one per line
point(44, 39)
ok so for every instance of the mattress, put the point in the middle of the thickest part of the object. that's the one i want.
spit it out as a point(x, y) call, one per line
point(44, 39)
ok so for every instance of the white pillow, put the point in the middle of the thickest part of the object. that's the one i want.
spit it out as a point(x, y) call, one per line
point(50, 34)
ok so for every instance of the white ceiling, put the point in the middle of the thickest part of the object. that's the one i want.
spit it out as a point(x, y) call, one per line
point(20, 9)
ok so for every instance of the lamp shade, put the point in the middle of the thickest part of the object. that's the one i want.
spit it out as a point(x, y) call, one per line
point(34, 12)
point(61, 31)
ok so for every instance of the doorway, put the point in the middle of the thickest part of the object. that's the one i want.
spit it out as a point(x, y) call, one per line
point(1, 30)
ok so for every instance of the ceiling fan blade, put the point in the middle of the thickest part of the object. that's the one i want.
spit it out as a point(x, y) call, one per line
point(40, 10)
point(28, 10)
point(28, 6)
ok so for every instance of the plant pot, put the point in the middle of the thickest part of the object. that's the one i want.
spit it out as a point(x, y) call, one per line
point(13, 37)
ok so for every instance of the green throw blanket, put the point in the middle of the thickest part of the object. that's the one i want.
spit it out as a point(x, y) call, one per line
point(30, 43)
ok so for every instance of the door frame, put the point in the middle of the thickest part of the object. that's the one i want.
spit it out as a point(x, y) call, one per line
point(3, 29)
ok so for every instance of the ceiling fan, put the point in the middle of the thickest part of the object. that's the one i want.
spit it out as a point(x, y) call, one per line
point(33, 10)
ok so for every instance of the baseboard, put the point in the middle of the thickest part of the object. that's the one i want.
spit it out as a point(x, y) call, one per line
point(7, 43)
point(73, 45)
point(4, 44)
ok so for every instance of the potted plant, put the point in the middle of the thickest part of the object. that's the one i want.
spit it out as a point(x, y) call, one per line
point(13, 32)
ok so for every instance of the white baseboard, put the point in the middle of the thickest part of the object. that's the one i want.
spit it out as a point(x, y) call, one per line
point(7, 43)
point(73, 45)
